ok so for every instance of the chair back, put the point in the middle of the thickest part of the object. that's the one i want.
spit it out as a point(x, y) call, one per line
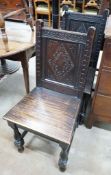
point(68, 3)
point(62, 59)
point(42, 1)
point(43, 7)
point(81, 22)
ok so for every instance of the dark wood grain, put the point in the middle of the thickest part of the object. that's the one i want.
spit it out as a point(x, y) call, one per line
point(107, 51)
point(47, 112)
point(104, 86)
point(102, 105)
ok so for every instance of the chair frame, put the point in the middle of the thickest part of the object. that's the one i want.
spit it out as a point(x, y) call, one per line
point(44, 35)
point(70, 22)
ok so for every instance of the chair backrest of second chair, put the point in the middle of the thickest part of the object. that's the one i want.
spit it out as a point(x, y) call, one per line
point(62, 59)
point(81, 22)
point(41, 5)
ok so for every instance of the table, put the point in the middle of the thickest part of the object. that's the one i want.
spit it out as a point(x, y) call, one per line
point(101, 102)
point(21, 44)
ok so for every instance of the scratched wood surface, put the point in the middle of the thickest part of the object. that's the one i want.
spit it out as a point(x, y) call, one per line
point(47, 112)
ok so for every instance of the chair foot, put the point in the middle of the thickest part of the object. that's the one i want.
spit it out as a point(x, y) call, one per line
point(62, 163)
point(19, 141)
point(81, 119)
point(19, 144)
point(89, 122)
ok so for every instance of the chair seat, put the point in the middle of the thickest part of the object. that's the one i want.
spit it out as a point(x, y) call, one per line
point(48, 113)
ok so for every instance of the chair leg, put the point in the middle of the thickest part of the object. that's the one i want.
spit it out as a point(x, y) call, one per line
point(63, 157)
point(90, 121)
point(49, 20)
point(65, 152)
point(83, 5)
point(19, 141)
point(24, 63)
point(36, 16)
point(82, 116)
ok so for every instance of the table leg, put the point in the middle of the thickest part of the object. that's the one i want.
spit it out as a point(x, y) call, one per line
point(24, 63)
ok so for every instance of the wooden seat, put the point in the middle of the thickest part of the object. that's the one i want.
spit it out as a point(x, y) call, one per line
point(51, 110)
point(80, 23)
point(59, 111)
point(43, 7)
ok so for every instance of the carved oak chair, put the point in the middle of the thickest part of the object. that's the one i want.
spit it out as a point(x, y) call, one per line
point(51, 109)
point(80, 23)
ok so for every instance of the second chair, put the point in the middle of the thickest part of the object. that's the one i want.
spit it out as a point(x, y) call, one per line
point(80, 23)
point(43, 7)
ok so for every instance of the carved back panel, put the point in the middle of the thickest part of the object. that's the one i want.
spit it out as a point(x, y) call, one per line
point(81, 22)
point(62, 59)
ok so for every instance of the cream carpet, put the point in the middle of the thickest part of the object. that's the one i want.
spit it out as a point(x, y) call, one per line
point(90, 153)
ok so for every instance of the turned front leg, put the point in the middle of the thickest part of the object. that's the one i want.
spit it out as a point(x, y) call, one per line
point(63, 156)
point(19, 141)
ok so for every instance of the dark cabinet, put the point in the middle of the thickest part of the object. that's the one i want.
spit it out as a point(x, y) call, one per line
point(101, 104)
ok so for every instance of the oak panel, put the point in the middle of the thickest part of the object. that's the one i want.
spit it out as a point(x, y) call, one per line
point(107, 53)
point(105, 82)
point(102, 105)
